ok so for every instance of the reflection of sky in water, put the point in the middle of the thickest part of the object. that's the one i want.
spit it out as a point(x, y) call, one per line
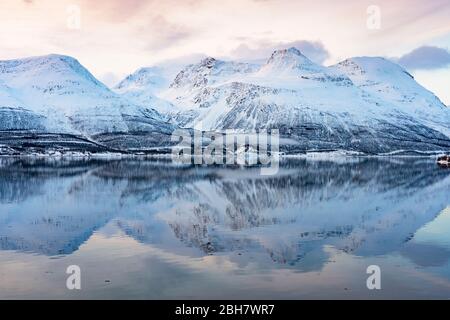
point(145, 230)
point(430, 246)
point(436, 232)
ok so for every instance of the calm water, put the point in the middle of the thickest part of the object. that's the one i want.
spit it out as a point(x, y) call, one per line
point(144, 229)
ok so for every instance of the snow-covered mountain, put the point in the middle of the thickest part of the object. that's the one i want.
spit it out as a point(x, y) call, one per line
point(143, 86)
point(391, 83)
point(363, 104)
point(67, 98)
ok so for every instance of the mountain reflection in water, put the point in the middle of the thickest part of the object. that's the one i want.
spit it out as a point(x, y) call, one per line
point(362, 207)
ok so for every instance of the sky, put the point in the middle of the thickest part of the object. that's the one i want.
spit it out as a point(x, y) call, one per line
point(113, 38)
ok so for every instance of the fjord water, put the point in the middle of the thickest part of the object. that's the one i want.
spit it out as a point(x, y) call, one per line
point(155, 230)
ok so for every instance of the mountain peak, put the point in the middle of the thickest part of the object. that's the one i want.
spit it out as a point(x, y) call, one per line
point(292, 54)
point(208, 62)
point(55, 57)
point(46, 67)
point(389, 81)
point(379, 67)
point(378, 63)
point(291, 50)
point(208, 71)
point(288, 60)
point(40, 61)
point(143, 77)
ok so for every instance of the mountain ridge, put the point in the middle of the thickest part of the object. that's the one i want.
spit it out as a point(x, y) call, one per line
point(315, 106)
point(68, 99)
point(364, 104)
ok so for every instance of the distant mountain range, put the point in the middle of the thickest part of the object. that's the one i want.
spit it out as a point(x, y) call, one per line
point(362, 104)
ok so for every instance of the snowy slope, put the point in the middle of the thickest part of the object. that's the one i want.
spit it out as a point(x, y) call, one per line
point(14, 115)
point(60, 89)
point(361, 104)
point(391, 83)
point(316, 107)
point(143, 87)
point(195, 80)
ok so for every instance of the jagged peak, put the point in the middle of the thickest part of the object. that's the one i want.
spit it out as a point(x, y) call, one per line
point(208, 70)
point(290, 54)
point(209, 62)
point(291, 50)
point(290, 59)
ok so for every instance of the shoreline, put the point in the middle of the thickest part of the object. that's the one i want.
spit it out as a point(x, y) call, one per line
point(313, 155)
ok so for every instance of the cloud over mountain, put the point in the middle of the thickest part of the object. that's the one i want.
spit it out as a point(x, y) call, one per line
point(426, 57)
point(315, 50)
